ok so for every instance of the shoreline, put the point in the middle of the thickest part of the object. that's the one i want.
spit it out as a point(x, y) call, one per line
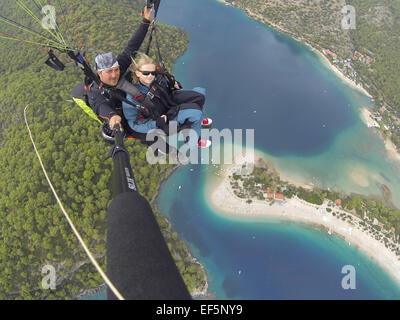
point(332, 67)
point(90, 292)
point(392, 151)
point(324, 59)
point(204, 294)
point(297, 210)
point(201, 294)
point(390, 147)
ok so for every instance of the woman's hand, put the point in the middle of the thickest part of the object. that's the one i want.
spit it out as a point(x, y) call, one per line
point(177, 85)
point(161, 123)
point(147, 13)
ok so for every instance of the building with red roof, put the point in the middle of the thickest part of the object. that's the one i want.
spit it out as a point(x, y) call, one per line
point(329, 52)
point(279, 196)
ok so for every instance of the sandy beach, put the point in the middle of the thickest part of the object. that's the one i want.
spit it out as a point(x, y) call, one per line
point(227, 203)
point(367, 118)
point(391, 149)
point(338, 72)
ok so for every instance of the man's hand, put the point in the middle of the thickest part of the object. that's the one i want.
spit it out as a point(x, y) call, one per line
point(114, 119)
point(147, 13)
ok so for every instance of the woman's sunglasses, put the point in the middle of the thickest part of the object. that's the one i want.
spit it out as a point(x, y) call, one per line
point(146, 73)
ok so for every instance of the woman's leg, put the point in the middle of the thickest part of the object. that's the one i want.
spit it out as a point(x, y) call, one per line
point(143, 127)
point(190, 99)
point(196, 117)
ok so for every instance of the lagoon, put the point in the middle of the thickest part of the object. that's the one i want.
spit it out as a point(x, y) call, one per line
point(307, 123)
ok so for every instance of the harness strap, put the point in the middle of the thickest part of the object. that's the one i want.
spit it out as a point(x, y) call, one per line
point(156, 4)
point(90, 75)
point(54, 62)
point(146, 105)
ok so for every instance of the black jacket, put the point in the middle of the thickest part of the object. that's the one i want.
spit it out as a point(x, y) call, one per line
point(106, 107)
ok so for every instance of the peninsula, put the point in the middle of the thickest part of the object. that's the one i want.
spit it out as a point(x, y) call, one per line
point(367, 224)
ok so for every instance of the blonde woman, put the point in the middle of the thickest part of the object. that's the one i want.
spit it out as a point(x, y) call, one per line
point(183, 106)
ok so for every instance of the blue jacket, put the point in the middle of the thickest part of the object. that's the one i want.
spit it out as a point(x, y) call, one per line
point(131, 114)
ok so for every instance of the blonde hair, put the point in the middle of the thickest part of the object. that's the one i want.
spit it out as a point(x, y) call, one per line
point(142, 60)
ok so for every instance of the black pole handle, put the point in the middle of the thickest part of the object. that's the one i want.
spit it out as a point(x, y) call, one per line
point(139, 263)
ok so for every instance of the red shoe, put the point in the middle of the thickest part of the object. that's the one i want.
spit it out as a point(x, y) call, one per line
point(207, 122)
point(204, 143)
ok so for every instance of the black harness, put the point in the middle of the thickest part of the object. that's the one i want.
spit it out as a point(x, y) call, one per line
point(146, 107)
point(159, 90)
point(162, 88)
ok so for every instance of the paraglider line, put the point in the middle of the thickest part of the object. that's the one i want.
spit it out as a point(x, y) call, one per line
point(89, 254)
point(55, 34)
point(20, 26)
point(64, 22)
point(11, 37)
point(76, 24)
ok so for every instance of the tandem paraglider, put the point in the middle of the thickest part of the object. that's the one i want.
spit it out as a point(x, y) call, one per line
point(139, 264)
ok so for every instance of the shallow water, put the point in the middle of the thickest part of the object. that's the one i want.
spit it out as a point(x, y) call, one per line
point(307, 123)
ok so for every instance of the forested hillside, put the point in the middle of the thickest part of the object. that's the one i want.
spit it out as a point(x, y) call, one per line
point(33, 231)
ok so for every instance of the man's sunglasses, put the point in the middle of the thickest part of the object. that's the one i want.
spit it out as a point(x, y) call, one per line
point(146, 73)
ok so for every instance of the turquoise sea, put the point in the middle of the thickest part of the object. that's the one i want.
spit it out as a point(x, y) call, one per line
point(307, 123)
